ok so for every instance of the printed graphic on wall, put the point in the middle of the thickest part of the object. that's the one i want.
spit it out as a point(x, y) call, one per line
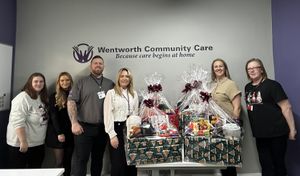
point(83, 52)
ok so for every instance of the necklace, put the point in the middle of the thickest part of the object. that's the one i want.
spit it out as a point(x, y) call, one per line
point(128, 103)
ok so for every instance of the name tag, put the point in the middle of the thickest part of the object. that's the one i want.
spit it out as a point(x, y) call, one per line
point(101, 94)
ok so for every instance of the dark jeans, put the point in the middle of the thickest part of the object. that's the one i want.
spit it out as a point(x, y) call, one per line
point(271, 152)
point(91, 142)
point(33, 158)
point(119, 165)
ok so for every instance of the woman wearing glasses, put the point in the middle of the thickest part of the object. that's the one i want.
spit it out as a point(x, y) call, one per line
point(270, 116)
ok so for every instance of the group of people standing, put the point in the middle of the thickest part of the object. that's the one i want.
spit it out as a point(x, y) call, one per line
point(78, 120)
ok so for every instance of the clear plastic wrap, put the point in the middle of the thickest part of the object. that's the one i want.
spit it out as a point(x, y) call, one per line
point(155, 119)
point(155, 90)
point(200, 115)
point(210, 134)
point(156, 140)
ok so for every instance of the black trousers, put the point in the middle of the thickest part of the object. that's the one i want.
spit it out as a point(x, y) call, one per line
point(119, 165)
point(33, 158)
point(91, 142)
point(68, 151)
point(271, 152)
point(229, 171)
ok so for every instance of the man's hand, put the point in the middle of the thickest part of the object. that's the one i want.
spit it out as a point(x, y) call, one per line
point(77, 128)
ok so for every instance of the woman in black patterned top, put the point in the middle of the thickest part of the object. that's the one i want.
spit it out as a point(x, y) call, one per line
point(271, 118)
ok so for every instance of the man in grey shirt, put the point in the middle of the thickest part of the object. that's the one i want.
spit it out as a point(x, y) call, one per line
point(85, 108)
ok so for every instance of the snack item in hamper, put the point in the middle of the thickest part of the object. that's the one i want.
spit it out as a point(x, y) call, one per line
point(133, 124)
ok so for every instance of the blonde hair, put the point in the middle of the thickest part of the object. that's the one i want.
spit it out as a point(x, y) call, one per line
point(118, 88)
point(61, 96)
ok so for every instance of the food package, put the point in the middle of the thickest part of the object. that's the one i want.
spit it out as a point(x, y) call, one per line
point(133, 125)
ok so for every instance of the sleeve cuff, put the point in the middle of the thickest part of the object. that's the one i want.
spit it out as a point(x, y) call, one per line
point(112, 134)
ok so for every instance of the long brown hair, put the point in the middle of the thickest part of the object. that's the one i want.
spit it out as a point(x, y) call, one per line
point(213, 75)
point(61, 94)
point(32, 93)
point(117, 87)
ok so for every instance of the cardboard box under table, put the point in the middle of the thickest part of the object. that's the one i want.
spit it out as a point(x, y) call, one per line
point(221, 151)
point(152, 150)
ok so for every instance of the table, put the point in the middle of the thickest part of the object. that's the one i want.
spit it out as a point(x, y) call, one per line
point(32, 172)
point(176, 166)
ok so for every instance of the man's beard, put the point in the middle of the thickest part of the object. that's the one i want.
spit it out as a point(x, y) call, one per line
point(97, 72)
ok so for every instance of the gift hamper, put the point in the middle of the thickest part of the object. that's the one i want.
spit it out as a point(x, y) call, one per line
point(210, 135)
point(152, 137)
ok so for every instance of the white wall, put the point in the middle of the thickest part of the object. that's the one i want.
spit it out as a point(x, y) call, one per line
point(6, 52)
point(237, 30)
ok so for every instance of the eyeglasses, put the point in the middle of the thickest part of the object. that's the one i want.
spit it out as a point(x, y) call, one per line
point(253, 68)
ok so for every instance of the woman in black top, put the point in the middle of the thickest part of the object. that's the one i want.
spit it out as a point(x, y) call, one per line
point(271, 118)
point(59, 134)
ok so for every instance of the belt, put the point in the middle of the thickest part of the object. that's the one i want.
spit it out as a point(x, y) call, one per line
point(120, 123)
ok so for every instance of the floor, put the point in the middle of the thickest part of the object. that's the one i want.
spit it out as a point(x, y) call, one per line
point(190, 173)
point(195, 174)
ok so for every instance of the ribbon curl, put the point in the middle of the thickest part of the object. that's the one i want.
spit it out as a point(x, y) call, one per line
point(149, 103)
point(154, 88)
point(205, 96)
point(189, 86)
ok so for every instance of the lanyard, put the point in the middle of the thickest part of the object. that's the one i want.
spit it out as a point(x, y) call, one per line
point(99, 84)
point(128, 103)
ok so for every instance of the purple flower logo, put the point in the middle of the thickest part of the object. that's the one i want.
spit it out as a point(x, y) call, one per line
point(83, 52)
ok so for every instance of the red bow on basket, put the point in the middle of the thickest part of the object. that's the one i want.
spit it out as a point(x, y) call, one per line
point(154, 88)
point(189, 86)
point(205, 96)
point(149, 103)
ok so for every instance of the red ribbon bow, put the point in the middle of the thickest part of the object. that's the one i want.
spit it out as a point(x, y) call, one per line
point(149, 103)
point(154, 88)
point(189, 86)
point(205, 96)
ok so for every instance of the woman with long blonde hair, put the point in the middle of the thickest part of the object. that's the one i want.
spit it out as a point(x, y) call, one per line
point(59, 134)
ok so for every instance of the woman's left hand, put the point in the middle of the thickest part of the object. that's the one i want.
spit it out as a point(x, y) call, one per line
point(23, 147)
point(61, 138)
point(114, 142)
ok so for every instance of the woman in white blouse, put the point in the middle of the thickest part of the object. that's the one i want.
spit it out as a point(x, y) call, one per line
point(119, 104)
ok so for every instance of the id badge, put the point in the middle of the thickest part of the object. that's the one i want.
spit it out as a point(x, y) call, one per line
point(101, 94)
